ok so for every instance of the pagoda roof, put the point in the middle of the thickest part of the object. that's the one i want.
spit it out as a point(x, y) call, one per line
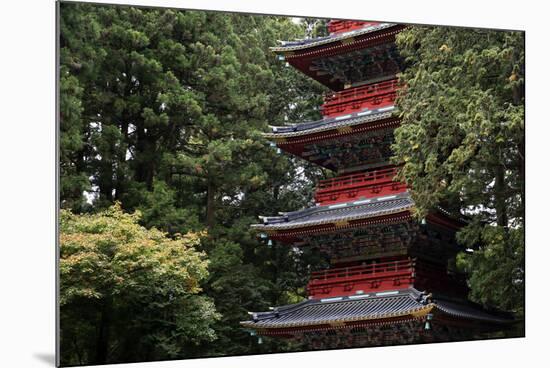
point(306, 43)
point(393, 305)
point(348, 211)
point(325, 124)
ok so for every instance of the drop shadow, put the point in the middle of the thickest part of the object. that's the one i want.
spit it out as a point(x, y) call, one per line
point(46, 358)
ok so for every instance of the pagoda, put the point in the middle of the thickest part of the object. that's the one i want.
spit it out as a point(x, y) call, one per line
point(389, 280)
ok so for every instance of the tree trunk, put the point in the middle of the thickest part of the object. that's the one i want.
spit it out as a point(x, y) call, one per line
point(500, 197)
point(102, 344)
point(121, 164)
point(145, 151)
point(106, 181)
point(210, 205)
point(276, 190)
point(522, 176)
point(77, 195)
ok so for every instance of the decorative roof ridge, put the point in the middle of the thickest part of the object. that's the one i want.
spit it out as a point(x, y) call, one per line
point(285, 309)
point(387, 294)
point(312, 42)
point(422, 303)
point(294, 215)
point(309, 127)
point(423, 306)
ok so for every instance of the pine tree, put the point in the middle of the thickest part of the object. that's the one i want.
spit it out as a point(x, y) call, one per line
point(462, 145)
point(168, 107)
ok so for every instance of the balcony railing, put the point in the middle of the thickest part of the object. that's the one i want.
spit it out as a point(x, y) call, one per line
point(384, 276)
point(367, 96)
point(361, 91)
point(339, 26)
point(355, 180)
point(366, 184)
point(365, 278)
point(375, 269)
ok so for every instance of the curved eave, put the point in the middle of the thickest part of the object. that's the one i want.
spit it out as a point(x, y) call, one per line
point(307, 44)
point(298, 130)
point(339, 214)
point(458, 218)
point(411, 313)
point(336, 222)
point(338, 311)
point(382, 307)
point(464, 311)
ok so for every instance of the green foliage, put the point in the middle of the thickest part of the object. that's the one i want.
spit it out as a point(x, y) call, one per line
point(496, 275)
point(162, 111)
point(462, 145)
point(128, 293)
point(73, 180)
point(160, 210)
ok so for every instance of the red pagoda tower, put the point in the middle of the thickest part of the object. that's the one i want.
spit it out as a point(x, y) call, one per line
point(389, 280)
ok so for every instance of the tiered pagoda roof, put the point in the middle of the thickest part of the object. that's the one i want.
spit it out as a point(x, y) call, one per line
point(366, 52)
point(307, 43)
point(343, 145)
point(381, 307)
point(339, 214)
point(330, 124)
point(355, 133)
point(380, 255)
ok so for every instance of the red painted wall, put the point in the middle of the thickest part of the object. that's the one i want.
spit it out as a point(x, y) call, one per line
point(346, 188)
point(344, 281)
point(371, 96)
point(339, 26)
point(385, 276)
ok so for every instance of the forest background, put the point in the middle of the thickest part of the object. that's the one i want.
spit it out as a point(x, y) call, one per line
point(163, 169)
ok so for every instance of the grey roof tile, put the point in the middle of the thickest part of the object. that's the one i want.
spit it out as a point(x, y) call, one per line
point(330, 123)
point(312, 42)
point(367, 307)
point(349, 211)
